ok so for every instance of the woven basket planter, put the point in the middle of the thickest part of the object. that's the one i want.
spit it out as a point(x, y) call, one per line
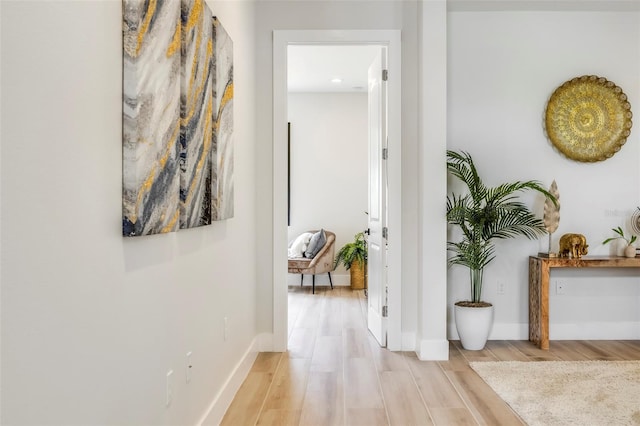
point(358, 275)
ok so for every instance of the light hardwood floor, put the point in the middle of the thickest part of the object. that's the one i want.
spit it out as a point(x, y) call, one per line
point(334, 373)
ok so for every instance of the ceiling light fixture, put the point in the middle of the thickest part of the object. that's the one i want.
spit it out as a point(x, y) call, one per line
point(336, 80)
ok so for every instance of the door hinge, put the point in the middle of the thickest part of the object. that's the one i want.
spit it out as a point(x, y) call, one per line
point(385, 312)
point(385, 233)
point(385, 153)
point(385, 75)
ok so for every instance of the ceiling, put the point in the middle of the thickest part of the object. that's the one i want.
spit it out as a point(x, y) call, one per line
point(542, 5)
point(311, 68)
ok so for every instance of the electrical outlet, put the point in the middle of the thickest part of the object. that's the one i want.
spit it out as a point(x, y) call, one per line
point(169, 396)
point(560, 288)
point(501, 287)
point(226, 328)
point(189, 367)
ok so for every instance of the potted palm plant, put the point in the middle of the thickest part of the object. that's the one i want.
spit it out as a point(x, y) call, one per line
point(353, 256)
point(483, 214)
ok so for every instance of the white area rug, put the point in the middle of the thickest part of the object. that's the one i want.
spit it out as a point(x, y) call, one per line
point(563, 393)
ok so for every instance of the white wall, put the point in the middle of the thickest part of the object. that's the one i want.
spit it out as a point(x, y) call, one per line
point(431, 294)
point(92, 321)
point(328, 168)
point(323, 15)
point(503, 66)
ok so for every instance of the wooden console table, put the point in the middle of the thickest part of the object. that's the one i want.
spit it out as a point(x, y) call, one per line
point(539, 287)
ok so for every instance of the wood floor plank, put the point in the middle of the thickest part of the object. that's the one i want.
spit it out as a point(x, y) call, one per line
point(327, 354)
point(324, 400)
point(272, 417)
point(366, 417)
point(355, 343)
point(302, 341)
point(567, 351)
point(532, 352)
point(361, 385)
point(473, 356)
point(384, 359)
point(617, 350)
point(483, 402)
point(331, 318)
point(633, 344)
point(484, 355)
point(403, 401)
point(266, 362)
point(289, 384)
point(283, 403)
point(505, 351)
point(352, 314)
point(310, 316)
point(457, 361)
point(245, 407)
point(593, 351)
point(296, 304)
point(435, 387)
point(452, 416)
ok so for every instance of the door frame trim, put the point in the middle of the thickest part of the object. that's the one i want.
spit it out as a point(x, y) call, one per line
point(282, 39)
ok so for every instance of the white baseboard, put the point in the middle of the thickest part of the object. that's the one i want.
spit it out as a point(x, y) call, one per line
point(340, 280)
point(629, 330)
point(508, 331)
point(595, 331)
point(433, 350)
point(221, 402)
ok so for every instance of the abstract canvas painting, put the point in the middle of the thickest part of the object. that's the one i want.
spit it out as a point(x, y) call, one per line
point(177, 117)
point(151, 117)
point(196, 128)
point(223, 184)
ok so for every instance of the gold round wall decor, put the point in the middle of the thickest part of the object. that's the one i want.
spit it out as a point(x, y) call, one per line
point(588, 118)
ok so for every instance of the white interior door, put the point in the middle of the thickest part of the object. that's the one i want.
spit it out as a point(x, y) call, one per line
point(377, 265)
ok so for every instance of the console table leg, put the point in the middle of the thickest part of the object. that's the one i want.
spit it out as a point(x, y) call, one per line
point(539, 303)
point(534, 301)
point(544, 307)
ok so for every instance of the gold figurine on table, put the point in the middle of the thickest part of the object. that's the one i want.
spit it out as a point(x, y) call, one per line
point(573, 245)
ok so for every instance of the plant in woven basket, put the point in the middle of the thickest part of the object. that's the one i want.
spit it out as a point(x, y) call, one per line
point(353, 256)
point(355, 251)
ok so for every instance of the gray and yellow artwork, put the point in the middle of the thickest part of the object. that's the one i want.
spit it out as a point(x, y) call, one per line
point(177, 117)
point(223, 184)
point(196, 119)
point(151, 117)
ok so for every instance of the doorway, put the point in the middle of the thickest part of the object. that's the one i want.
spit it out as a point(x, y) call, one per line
point(282, 39)
point(328, 123)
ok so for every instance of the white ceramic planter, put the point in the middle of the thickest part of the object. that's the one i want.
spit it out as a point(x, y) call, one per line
point(630, 251)
point(473, 325)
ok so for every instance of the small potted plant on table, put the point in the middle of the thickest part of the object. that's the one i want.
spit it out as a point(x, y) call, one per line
point(629, 250)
